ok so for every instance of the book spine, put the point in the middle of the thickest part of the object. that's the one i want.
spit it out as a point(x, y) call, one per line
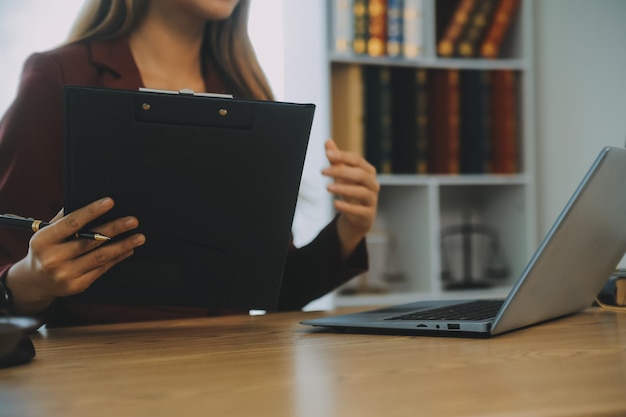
point(409, 121)
point(500, 25)
point(504, 122)
point(453, 165)
point(412, 29)
point(404, 126)
point(394, 27)
point(377, 126)
point(474, 121)
point(443, 139)
point(386, 121)
point(421, 139)
point(447, 44)
point(377, 40)
point(347, 107)
point(342, 26)
point(477, 26)
point(360, 26)
point(485, 121)
point(620, 291)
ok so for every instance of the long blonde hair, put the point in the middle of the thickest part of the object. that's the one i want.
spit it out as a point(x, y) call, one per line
point(226, 42)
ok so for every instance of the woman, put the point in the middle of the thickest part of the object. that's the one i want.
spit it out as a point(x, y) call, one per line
point(165, 44)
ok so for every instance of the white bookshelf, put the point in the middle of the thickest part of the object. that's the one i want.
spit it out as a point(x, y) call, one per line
point(415, 208)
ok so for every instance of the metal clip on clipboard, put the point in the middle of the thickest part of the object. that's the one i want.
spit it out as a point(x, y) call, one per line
point(184, 91)
point(158, 108)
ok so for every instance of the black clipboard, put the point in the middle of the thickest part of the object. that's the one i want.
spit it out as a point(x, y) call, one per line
point(213, 181)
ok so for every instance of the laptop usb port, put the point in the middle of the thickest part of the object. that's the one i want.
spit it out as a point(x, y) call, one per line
point(454, 327)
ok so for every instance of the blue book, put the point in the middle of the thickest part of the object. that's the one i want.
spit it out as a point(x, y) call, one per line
point(395, 35)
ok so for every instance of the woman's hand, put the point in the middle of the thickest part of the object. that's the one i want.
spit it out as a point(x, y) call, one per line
point(56, 266)
point(356, 188)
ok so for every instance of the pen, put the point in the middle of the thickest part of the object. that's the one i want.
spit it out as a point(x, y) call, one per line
point(24, 223)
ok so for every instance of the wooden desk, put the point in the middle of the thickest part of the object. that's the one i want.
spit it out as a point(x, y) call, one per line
point(272, 366)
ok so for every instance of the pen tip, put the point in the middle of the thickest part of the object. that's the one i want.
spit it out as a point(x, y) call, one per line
point(100, 237)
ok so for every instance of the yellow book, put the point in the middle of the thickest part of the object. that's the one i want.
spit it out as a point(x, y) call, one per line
point(620, 291)
point(347, 107)
point(377, 30)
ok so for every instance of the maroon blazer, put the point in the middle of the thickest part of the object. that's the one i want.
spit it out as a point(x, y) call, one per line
point(31, 174)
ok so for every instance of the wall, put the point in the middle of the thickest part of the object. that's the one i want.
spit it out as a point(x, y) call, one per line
point(580, 79)
point(290, 38)
point(306, 81)
point(27, 27)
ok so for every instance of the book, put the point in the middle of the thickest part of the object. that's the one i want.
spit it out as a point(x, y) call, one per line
point(444, 10)
point(360, 27)
point(421, 162)
point(501, 22)
point(474, 121)
point(503, 126)
point(342, 26)
point(377, 117)
point(620, 291)
point(447, 44)
point(412, 29)
point(395, 23)
point(404, 120)
point(347, 107)
point(377, 30)
point(443, 117)
point(469, 43)
point(613, 293)
point(409, 135)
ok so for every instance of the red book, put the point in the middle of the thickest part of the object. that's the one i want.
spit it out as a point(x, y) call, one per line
point(443, 116)
point(504, 142)
point(421, 162)
point(500, 25)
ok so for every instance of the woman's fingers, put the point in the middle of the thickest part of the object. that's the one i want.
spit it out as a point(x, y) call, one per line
point(68, 266)
point(354, 175)
point(90, 266)
point(356, 189)
point(353, 193)
point(338, 157)
point(68, 225)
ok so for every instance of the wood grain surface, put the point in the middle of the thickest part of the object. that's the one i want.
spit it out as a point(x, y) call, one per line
point(273, 366)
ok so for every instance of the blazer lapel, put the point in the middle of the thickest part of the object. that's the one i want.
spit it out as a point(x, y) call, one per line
point(115, 60)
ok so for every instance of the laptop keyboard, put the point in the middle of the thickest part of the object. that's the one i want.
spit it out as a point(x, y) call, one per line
point(474, 310)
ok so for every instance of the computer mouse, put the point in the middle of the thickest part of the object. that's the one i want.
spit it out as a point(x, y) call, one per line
point(10, 336)
point(15, 347)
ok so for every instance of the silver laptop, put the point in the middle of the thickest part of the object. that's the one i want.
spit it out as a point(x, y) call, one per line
point(564, 276)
